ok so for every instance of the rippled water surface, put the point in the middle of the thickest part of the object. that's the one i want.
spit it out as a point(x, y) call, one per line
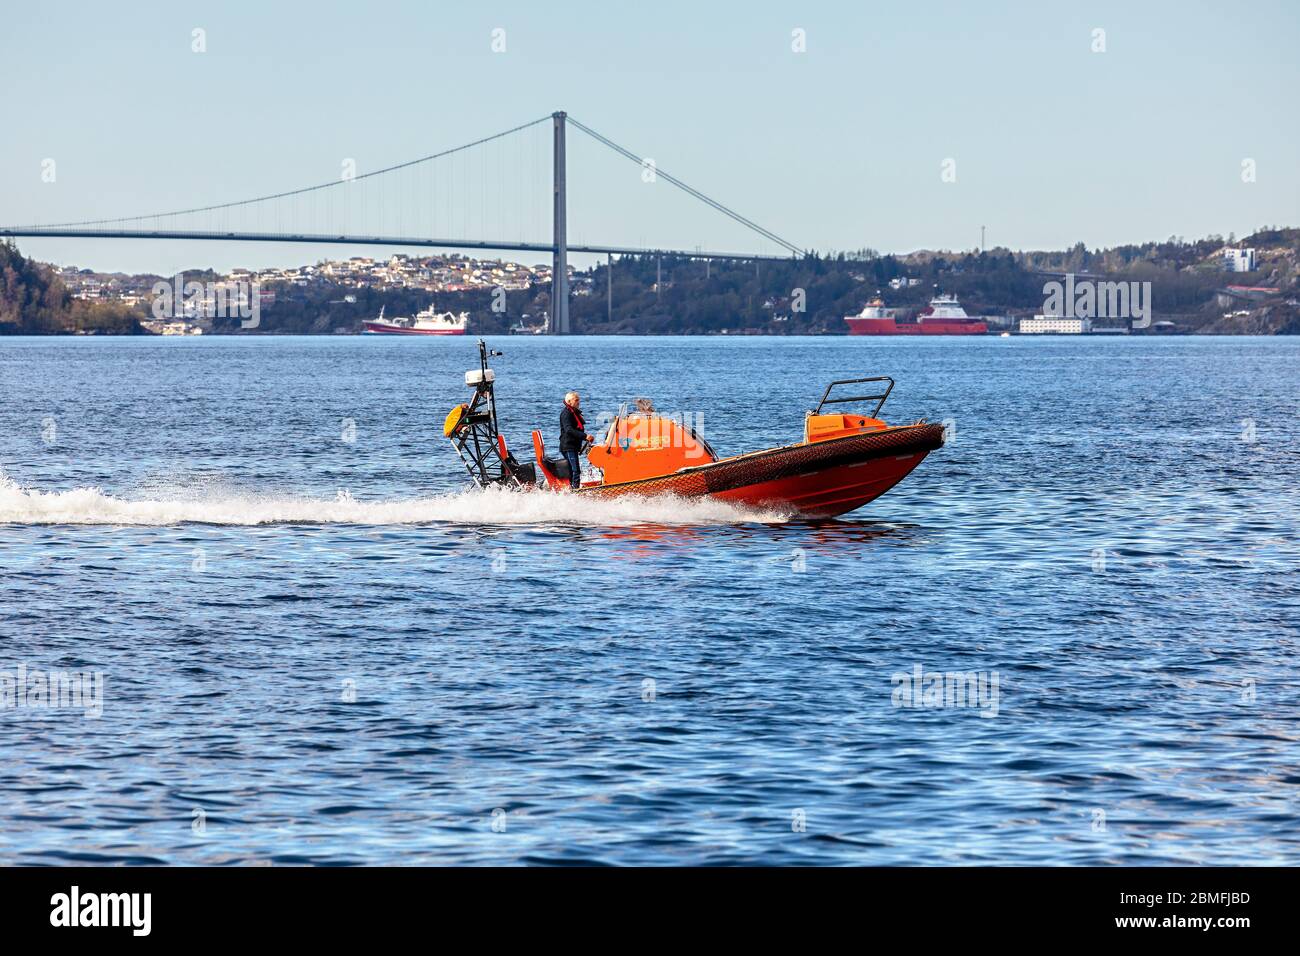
point(319, 647)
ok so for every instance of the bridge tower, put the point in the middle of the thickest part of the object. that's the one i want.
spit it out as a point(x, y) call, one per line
point(560, 251)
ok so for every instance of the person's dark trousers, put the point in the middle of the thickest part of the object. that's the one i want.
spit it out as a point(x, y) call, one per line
point(575, 469)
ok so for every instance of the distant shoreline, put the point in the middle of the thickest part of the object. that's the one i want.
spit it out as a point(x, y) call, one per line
point(1208, 286)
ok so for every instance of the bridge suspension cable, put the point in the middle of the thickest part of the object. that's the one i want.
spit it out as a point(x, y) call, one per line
point(307, 189)
point(454, 174)
point(747, 223)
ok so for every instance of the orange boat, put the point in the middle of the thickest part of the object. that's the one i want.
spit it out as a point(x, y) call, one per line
point(843, 461)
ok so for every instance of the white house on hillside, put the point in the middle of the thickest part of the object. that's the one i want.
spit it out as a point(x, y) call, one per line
point(1238, 260)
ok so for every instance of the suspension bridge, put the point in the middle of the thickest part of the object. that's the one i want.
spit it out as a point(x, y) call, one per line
point(430, 197)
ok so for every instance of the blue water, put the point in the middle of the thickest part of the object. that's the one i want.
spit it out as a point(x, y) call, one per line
point(317, 647)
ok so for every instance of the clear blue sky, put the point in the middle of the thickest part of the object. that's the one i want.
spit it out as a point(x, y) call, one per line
point(839, 147)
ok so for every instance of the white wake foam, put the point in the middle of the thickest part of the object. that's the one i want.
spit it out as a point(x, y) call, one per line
point(209, 504)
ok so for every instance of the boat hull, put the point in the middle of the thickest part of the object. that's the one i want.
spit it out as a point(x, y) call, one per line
point(818, 480)
point(928, 327)
point(378, 328)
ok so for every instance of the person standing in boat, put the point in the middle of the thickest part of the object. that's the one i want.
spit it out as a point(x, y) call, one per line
point(573, 435)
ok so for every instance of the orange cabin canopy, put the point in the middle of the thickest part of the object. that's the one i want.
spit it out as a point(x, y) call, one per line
point(647, 446)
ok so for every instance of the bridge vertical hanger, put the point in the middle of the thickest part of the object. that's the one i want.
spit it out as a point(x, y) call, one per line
point(560, 253)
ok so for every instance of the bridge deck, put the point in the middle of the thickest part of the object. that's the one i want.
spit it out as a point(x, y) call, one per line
point(503, 245)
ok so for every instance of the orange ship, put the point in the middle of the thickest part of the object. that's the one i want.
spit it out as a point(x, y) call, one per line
point(842, 462)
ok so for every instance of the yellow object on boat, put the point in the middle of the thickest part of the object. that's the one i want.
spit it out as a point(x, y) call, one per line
point(454, 418)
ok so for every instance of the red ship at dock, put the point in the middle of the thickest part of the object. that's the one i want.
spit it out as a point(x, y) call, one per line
point(944, 316)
